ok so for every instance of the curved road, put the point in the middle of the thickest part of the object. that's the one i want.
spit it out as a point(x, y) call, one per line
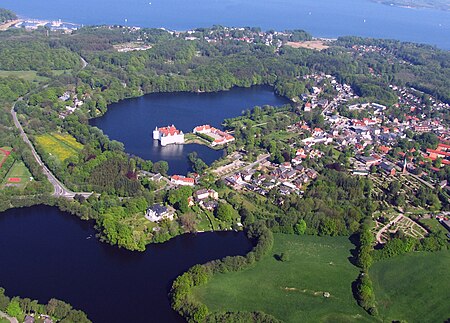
point(59, 189)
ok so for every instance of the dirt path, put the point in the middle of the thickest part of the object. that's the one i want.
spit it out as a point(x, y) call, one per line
point(11, 319)
point(383, 229)
point(8, 24)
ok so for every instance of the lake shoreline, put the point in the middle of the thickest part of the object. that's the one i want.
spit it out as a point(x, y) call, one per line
point(132, 120)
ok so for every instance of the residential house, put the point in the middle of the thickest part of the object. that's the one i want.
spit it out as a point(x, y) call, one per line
point(158, 212)
point(182, 180)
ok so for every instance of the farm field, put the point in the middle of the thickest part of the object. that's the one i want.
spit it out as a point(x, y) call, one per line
point(62, 146)
point(293, 290)
point(18, 175)
point(413, 287)
point(310, 44)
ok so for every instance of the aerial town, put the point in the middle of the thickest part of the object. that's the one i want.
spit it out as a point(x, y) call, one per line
point(367, 129)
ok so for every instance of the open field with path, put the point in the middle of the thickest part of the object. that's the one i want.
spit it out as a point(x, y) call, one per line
point(62, 146)
point(414, 287)
point(310, 44)
point(292, 291)
point(18, 175)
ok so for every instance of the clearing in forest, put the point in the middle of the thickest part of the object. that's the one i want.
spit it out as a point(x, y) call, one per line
point(62, 146)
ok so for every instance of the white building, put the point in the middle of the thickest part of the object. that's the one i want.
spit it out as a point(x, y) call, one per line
point(168, 135)
point(182, 180)
point(157, 213)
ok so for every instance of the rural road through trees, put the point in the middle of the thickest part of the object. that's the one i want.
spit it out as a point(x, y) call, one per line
point(59, 189)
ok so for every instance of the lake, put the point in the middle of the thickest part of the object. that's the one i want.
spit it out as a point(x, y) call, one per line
point(133, 121)
point(47, 253)
point(323, 18)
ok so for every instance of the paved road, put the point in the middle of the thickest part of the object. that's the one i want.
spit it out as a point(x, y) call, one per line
point(262, 158)
point(59, 189)
point(386, 227)
point(9, 318)
point(83, 61)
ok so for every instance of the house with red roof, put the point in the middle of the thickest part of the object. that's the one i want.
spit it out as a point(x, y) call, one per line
point(219, 137)
point(182, 180)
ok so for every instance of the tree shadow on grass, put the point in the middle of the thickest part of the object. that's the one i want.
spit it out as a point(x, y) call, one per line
point(354, 239)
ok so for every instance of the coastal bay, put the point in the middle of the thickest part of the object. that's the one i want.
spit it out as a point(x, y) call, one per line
point(325, 18)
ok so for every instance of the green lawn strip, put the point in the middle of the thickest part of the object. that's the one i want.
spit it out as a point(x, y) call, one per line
point(413, 287)
point(204, 222)
point(292, 291)
point(434, 226)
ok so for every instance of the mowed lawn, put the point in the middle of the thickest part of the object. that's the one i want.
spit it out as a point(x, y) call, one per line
point(62, 146)
point(18, 175)
point(292, 291)
point(413, 287)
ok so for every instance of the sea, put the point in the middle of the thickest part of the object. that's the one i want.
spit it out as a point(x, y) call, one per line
point(322, 18)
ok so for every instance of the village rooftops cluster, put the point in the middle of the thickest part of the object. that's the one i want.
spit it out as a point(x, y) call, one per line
point(373, 136)
point(285, 178)
point(248, 35)
point(72, 103)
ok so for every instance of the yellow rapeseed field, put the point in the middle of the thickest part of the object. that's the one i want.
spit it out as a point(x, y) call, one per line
point(62, 146)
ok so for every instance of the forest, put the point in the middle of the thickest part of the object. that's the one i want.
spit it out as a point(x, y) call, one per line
point(6, 15)
point(329, 207)
point(55, 309)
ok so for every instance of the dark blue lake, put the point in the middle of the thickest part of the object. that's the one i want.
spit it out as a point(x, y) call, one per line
point(45, 253)
point(133, 121)
point(323, 18)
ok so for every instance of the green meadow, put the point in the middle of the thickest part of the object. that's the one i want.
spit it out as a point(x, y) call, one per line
point(413, 287)
point(292, 290)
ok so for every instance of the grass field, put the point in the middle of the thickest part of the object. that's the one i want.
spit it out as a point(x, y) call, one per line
point(434, 226)
point(62, 146)
point(292, 291)
point(413, 287)
point(28, 75)
point(18, 175)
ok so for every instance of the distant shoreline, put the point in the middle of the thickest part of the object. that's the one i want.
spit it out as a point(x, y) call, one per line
point(421, 4)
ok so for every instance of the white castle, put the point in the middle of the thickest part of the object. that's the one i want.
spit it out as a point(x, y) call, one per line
point(168, 135)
